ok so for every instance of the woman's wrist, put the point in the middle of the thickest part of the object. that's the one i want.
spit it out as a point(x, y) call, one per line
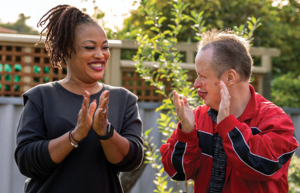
point(102, 131)
point(76, 137)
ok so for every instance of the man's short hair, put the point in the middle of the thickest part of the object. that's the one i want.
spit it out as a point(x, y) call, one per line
point(230, 51)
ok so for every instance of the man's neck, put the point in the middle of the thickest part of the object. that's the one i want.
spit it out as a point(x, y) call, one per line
point(240, 96)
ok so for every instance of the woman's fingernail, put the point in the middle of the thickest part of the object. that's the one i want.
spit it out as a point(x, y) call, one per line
point(94, 100)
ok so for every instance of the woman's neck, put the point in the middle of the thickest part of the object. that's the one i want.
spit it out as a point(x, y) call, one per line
point(78, 87)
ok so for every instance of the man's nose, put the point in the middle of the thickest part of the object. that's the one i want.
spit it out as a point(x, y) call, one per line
point(197, 83)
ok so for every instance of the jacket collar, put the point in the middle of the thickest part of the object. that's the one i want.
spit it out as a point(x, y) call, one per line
point(251, 106)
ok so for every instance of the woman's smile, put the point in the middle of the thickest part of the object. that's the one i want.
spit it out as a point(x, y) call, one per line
point(97, 65)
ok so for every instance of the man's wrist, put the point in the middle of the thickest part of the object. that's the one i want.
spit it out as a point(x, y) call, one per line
point(186, 129)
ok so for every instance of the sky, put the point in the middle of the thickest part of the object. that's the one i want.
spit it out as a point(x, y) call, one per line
point(115, 10)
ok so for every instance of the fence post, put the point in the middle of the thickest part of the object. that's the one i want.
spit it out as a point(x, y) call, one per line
point(113, 74)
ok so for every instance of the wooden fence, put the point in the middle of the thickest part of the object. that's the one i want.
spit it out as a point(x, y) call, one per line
point(22, 66)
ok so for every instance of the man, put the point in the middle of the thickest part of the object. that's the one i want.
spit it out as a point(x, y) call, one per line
point(238, 141)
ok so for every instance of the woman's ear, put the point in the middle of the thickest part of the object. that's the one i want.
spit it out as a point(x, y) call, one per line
point(231, 77)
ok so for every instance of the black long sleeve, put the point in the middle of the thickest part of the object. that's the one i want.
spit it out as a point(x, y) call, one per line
point(49, 112)
point(32, 155)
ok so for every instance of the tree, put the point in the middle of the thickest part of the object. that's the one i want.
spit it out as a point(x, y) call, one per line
point(280, 19)
point(20, 25)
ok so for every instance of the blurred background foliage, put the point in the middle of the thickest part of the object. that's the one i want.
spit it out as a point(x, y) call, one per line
point(20, 25)
point(280, 29)
point(294, 175)
point(286, 90)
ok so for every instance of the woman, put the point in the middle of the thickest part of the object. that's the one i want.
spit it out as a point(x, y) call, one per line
point(65, 142)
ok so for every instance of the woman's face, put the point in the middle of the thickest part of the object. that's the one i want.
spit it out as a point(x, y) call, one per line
point(89, 61)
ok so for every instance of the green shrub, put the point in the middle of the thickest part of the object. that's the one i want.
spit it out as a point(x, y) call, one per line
point(294, 175)
point(285, 91)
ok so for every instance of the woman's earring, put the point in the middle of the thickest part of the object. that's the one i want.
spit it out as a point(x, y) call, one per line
point(66, 62)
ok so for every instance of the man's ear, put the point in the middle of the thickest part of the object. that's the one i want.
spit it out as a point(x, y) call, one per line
point(231, 77)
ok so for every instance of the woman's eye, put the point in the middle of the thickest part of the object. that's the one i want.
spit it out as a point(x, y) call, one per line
point(106, 47)
point(89, 47)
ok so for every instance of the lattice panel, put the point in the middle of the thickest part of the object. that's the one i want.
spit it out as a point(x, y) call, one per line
point(11, 63)
point(145, 92)
point(42, 70)
point(23, 67)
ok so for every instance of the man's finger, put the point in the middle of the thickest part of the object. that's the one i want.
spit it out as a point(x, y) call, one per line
point(185, 102)
point(176, 100)
point(181, 105)
point(225, 89)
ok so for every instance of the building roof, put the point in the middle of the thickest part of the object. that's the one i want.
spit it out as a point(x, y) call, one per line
point(6, 30)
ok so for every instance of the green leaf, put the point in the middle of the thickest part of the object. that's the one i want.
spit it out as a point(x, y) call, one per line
point(253, 19)
point(193, 13)
point(172, 26)
point(162, 19)
point(185, 6)
point(149, 22)
point(148, 131)
point(159, 92)
point(198, 38)
point(154, 29)
point(167, 32)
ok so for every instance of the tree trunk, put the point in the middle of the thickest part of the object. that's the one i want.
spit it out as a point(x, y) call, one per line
point(128, 179)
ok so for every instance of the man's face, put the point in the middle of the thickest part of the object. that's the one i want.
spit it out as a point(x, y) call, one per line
point(207, 82)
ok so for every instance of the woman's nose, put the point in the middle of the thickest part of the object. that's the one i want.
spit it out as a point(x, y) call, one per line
point(99, 54)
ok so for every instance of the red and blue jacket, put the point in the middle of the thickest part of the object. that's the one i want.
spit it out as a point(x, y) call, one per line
point(258, 145)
